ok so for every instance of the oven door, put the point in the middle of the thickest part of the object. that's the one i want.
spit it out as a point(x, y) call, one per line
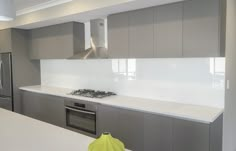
point(81, 120)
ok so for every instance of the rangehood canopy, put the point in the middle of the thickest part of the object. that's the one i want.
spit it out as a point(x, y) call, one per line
point(98, 49)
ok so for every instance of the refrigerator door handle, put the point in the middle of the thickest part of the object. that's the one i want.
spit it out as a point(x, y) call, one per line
point(1, 74)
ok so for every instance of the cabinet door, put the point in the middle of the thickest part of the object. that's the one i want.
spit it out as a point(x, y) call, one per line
point(52, 110)
point(108, 120)
point(57, 41)
point(168, 30)
point(131, 129)
point(157, 133)
point(30, 104)
point(190, 136)
point(141, 33)
point(201, 26)
point(5, 41)
point(123, 124)
point(118, 35)
point(46, 108)
point(52, 42)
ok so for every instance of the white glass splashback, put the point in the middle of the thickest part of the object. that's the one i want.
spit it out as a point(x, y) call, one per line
point(186, 80)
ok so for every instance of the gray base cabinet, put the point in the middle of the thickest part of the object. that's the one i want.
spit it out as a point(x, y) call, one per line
point(195, 136)
point(157, 133)
point(108, 120)
point(45, 108)
point(192, 136)
point(131, 129)
point(150, 132)
point(123, 124)
point(139, 131)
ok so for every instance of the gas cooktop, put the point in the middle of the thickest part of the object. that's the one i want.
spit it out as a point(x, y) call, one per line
point(92, 93)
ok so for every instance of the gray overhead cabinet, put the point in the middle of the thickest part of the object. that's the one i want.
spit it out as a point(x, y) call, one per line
point(24, 71)
point(57, 41)
point(168, 31)
point(203, 35)
point(193, 28)
point(5, 41)
point(141, 32)
point(130, 34)
point(118, 35)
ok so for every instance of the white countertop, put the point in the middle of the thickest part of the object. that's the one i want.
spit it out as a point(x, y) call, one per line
point(21, 133)
point(196, 113)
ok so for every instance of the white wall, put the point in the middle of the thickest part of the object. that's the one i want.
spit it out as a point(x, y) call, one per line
point(193, 81)
point(229, 133)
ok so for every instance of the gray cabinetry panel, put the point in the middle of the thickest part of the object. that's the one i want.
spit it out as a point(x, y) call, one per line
point(141, 33)
point(193, 28)
point(118, 38)
point(123, 124)
point(57, 41)
point(46, 108)
point(216, 134)
point(190, 136)
point(132, 129)
point(201, 28)
point(108, 120)
point(168, 30)
point(5, 41)
point(157, 133)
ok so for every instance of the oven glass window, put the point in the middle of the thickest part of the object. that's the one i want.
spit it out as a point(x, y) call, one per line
point(81, 120)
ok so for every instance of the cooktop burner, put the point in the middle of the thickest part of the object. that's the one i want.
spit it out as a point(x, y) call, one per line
point(92, 93)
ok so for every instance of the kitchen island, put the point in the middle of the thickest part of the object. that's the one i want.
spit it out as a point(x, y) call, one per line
point(21, 133)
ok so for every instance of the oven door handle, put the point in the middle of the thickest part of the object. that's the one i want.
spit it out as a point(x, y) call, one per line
point(81, 111)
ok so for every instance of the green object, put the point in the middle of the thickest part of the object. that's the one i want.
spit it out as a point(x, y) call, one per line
point(106, 143)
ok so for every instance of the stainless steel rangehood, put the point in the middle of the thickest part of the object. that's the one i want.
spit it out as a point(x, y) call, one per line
point(98, 49)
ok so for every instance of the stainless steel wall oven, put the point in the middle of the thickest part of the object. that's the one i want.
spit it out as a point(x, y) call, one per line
point(81, 116)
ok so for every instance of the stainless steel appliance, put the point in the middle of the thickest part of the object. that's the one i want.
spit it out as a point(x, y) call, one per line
point(6, 99)
point(81, 117)
point(92, 93)
point(98, 39)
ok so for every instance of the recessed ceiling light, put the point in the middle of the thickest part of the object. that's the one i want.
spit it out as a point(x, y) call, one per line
point(7, 10)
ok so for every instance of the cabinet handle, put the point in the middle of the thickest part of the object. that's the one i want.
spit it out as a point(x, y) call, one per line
point(81, 111)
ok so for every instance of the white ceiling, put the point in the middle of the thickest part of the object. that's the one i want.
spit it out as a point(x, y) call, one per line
point(22, 4)
point(29, 6)
point(39, 13)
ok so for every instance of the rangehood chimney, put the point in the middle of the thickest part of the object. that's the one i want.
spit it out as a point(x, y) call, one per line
point(98, 49)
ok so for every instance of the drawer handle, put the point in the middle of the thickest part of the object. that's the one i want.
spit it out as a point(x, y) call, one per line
point(81, 111)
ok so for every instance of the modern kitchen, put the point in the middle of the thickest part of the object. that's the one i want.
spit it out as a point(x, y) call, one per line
point(117, 75)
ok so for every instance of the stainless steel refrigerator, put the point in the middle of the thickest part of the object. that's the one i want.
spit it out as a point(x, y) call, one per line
point(6, 97)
